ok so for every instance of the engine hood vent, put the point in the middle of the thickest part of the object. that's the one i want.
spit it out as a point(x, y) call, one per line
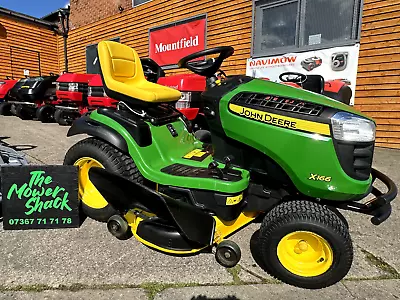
point(277, 103)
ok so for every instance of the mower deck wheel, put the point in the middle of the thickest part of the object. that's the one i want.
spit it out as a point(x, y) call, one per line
point(305, 244)
point(228, 254)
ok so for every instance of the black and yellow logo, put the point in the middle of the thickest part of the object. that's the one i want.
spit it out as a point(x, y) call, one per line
point(197, 155)
point(281, 121)
point(317, 177)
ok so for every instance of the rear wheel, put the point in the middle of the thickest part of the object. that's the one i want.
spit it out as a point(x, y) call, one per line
point(23, 113)
point(45, 114)
point(305, 244)
point(5, 109)
point(93, 152)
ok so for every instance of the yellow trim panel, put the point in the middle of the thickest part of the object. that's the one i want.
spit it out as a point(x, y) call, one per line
point(281, 121)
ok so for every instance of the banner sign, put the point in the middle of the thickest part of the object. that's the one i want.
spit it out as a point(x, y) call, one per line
point(333, 63)
point(168, 44)
point(40, 197)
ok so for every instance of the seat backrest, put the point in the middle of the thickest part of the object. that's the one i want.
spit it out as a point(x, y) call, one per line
point(314, 83)
point(119, 62)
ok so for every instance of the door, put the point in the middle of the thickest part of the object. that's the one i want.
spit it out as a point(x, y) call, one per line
point(92, 60)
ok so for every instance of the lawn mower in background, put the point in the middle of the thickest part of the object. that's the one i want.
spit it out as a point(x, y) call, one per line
point(5, 86)
point(36, 98)
point(10, 96)
point(72, 95)
point(191, 86)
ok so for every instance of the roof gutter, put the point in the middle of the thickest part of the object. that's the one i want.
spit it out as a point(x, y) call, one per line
point(13, 14)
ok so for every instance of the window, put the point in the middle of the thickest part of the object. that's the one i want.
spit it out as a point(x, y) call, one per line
point(138, 2)
point(295, 25)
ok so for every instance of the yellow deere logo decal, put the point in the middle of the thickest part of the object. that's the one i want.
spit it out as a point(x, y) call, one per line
point(281, 121)
point(197, 154)
point(234, 200)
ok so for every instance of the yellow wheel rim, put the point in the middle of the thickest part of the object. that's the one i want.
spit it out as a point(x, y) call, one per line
point(305, 253)
point(87, 192)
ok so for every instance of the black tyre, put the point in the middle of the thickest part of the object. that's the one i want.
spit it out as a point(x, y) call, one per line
point(93, 152)
point(305, 244)
point(23, 113)
point(45, 114)
point(60, 118)
point(5, 109)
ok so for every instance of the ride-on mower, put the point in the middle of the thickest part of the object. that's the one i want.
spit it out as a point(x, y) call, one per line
point(10, 96)
point(35, 98)
point(279, 154)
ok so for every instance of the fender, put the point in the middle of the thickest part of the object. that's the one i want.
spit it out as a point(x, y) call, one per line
point(85, 125)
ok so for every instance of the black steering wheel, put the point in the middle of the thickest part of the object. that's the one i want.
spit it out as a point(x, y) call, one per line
point(209, 67)
point(152, 71)
point(293, 77)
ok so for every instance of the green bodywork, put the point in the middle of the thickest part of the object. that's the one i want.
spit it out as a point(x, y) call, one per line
point(166, 150)
point(299, 154)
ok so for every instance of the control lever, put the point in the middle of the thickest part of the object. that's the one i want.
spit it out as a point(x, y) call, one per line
point(214, 166)
point(228, 162)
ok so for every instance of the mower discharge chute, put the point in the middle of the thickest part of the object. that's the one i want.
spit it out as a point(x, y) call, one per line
point(280, 154)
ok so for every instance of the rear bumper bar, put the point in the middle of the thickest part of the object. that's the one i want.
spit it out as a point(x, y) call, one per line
point(379, 207)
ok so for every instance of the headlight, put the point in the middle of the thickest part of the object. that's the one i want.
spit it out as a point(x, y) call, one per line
point(73, 87)
point(352, 128)
point(2, 82)
point(185, 100)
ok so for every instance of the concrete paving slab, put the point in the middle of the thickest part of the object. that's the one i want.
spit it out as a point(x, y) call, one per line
point(374, 290)
point(250, 292)
point(91, 256)
point(118, 294)
point(46, 143)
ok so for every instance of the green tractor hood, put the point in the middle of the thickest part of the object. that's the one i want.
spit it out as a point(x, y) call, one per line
point(277, 89)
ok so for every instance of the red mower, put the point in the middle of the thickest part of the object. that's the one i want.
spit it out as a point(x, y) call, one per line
point(72, 94)
point(5, 86)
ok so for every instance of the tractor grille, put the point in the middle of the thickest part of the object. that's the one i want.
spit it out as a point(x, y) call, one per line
point(96, 91)
point(64, 86)
point(356, 159)
point(278, 103)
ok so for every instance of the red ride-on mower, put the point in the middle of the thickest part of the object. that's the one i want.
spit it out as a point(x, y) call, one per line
point(36, 98)
point(191, 86)
point(337, 89)
point(97, 97)
point(5, 86)
point(6, 107)
point(72, 94)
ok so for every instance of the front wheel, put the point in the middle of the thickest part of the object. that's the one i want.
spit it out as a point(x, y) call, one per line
point(305, 244)
point(93, 152)
point(45, 114)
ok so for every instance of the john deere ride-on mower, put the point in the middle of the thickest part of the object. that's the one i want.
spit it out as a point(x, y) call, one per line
point(279, 154)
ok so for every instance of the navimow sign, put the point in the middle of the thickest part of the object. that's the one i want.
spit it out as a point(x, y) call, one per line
point(169, 43)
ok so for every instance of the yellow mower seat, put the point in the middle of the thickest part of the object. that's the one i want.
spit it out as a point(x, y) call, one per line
point(123, 75)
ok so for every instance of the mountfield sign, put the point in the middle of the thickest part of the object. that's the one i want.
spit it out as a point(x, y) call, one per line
point(168, 44)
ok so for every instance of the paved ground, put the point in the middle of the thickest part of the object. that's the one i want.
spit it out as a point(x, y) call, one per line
point(89, 263)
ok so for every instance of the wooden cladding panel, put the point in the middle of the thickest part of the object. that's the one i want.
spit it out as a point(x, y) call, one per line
point(228, 23)
point(378, 79)
point(27, 46)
